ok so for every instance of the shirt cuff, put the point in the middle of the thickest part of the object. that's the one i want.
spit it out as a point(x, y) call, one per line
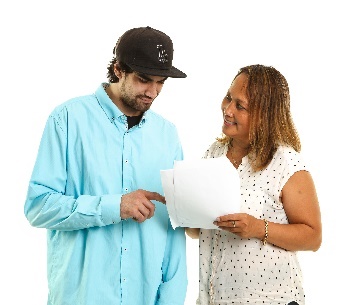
point(110, 209)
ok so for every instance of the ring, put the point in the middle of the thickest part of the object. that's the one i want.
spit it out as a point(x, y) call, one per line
point(233, 222)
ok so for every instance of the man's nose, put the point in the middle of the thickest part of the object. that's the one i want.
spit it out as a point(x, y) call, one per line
point(153, 90)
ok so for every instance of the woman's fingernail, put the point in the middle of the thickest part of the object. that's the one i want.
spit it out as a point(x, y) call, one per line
point(217, 219)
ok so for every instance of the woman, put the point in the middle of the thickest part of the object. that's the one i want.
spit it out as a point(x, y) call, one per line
point(252, 258)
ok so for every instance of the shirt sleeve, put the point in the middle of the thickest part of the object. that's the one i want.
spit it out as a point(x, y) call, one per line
point(46, 204)
point(172, 290)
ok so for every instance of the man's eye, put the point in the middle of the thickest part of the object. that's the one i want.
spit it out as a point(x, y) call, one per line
point(142, 80)
point(228, 98)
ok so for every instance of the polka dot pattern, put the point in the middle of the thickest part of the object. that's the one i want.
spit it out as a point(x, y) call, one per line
point(243, 271)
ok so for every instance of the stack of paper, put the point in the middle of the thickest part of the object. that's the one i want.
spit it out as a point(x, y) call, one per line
point(199, 191)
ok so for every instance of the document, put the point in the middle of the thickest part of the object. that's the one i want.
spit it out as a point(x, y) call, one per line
point(199, 191)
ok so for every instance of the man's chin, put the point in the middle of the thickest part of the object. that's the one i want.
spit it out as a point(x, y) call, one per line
point(144, 107)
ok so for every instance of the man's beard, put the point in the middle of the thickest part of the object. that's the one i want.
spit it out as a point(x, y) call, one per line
point(134, 104)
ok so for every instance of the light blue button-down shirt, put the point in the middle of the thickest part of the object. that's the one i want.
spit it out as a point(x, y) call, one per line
point(86, 161)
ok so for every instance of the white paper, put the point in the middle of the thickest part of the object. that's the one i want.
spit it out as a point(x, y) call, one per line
point(199, 191)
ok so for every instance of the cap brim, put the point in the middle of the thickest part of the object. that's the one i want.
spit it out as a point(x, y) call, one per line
point(172, 72)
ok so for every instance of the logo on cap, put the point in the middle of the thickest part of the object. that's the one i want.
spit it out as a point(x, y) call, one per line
point(162, 55)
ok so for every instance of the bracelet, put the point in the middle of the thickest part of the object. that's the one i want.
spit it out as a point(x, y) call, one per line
point(264, 240)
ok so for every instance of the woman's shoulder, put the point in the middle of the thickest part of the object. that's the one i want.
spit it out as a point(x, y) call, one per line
point(289, 157)
point(216, 149)
point(287, 152)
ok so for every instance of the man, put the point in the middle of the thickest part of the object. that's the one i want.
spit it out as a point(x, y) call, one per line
point(96, 186)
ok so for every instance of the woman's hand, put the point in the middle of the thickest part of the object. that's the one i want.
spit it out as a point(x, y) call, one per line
point(241, 224)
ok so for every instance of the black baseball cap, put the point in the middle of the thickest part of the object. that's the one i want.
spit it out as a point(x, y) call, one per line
point(148, 51)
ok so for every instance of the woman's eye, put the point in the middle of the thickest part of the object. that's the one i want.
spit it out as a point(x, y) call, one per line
point(238, 106)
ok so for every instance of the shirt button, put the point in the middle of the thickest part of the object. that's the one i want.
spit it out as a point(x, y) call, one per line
point(126, 161)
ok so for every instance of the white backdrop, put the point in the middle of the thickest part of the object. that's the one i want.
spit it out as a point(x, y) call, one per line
point(54, 50)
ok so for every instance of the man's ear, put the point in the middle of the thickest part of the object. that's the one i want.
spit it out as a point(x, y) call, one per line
point(118, 71)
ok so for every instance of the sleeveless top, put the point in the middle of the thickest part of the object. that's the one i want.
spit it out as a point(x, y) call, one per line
point(233, 270)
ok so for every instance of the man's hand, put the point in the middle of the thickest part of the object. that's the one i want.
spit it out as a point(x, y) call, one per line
point(137, 205)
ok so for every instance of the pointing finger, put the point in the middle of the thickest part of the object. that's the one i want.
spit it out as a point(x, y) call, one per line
point(154, 196)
